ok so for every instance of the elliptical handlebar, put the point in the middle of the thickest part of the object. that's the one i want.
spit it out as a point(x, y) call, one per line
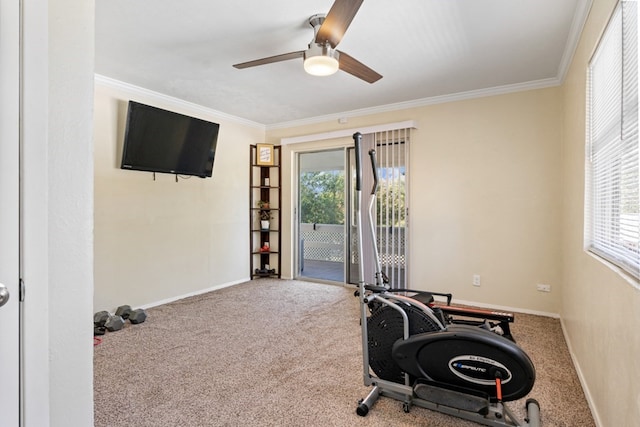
point(374, 166)
point(357, 139)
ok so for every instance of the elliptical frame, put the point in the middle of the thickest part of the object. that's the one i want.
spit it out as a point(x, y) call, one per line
point(496, 414)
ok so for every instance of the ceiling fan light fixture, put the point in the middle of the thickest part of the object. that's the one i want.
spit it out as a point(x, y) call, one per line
point(321, 65)
point(321, 60)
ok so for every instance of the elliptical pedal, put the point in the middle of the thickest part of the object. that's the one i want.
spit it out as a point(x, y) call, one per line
point(452, 398)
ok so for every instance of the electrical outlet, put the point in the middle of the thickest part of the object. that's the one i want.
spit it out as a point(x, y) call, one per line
point(476, 280)
point(543, 288)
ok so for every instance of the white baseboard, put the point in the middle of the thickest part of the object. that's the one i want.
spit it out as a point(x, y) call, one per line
point(198, 292)
point(583, 383)
point(474, 304)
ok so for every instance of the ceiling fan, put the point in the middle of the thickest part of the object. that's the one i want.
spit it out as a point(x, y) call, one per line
point(321, 58)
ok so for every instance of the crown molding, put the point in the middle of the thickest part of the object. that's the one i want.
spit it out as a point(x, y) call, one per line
point(460, 96)
point(108, 82)
point(577, 26)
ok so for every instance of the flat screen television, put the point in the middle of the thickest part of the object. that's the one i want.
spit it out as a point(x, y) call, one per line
point(157, 140)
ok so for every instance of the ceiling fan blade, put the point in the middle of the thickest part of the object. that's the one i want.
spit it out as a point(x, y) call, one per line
point(337, 21)
point(356, 68)
point(271, 59)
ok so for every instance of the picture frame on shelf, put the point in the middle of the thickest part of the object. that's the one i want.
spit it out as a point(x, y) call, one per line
point(264, 155)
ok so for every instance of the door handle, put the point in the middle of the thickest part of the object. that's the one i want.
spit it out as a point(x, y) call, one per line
point(4, 294)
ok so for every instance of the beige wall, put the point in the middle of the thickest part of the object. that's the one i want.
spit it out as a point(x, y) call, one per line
point(484, 195)
point(484, 199)
point(600, 309)
point(157, 240)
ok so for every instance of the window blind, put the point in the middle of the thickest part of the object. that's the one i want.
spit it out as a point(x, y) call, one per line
point(390, 214)
point(612, 207)
point(392, 152)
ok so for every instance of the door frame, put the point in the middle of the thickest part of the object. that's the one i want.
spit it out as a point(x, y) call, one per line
point(297, 249)
point(56, 87)
point(10, 342)
point(342, 138)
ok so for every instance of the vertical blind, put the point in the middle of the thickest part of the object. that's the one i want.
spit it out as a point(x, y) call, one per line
point(612, 205)
point(392, 201)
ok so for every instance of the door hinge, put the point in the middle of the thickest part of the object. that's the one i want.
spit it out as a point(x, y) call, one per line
point(21, 290)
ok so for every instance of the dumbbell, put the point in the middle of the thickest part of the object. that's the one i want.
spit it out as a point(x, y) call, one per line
point(134, 316)
point(104, 319)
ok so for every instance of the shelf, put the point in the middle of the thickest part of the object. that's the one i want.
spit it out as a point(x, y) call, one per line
point(259, 175)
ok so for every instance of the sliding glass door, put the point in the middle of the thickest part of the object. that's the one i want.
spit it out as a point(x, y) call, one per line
point(327, 246)
point(321, 218)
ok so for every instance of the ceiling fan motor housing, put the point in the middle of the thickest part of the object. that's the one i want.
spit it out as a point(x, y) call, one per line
point(316, 21)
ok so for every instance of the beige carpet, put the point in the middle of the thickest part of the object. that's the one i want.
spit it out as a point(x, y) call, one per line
point(283, 353)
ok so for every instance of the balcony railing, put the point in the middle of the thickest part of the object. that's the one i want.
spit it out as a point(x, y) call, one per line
point(325, 242)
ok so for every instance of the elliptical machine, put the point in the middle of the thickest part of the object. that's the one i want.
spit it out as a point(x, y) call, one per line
point(417, 352)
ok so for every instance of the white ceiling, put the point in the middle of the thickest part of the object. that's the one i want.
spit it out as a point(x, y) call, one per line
point(426, 50)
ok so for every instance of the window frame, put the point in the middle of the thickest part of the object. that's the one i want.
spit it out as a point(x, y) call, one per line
point(612, 146)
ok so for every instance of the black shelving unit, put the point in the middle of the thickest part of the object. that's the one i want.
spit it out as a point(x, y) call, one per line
point(265, 183)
